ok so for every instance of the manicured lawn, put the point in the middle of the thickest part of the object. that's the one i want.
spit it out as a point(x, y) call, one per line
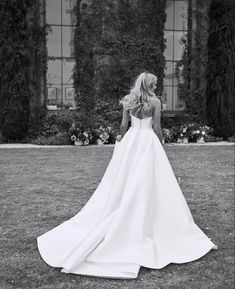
point(42, 187)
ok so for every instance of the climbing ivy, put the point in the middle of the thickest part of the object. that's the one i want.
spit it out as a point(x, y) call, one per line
point(114, 42)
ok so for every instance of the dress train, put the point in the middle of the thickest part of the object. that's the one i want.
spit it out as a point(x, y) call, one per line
point(136, 217)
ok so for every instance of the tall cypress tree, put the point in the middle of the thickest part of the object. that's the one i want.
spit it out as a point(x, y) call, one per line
point(220, 74)
point(23, 62)
point(14, 70)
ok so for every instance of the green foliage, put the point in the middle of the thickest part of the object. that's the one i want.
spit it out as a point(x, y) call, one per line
point(220, 73)
point(57, 127)
point(141, 42)
point(192, 131)
point(212, 138)
point(14, 70)
point(56, 122)
point(231, 138)
point(189, 72)
point(38, 67)
point(208, 66)
point(185, 125)
point(114, 42)
point(84, 38)
point(54, 128)
point(61, 138)
point(18, 42)
point(183, 70)
point(178, 120)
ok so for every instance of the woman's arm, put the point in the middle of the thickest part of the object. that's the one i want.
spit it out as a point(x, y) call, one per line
point(124, 124)
point(157, 118)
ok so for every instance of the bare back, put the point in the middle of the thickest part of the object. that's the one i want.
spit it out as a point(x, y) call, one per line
point(154, 110)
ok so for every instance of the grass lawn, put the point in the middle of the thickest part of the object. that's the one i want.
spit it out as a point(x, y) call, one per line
point(42, 187)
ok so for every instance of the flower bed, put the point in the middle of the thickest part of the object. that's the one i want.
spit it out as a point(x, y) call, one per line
point(70, 128)
point(189, 132)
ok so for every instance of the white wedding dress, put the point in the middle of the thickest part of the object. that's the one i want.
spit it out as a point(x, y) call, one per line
point(136, 217)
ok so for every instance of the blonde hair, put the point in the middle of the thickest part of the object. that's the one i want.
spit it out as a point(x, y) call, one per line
point(138, 98)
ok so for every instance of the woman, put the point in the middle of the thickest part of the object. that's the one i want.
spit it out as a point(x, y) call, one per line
point(138, 215)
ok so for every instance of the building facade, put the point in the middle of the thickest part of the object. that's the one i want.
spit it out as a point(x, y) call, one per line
point(60, 18)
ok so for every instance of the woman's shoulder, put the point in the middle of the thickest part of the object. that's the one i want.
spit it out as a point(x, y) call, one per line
point(155, 101)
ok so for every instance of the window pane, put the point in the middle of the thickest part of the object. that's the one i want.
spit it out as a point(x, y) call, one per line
point(174, 78)
point(174, 95)
point(168, 53)
point(68, 71)
point(54, 96)
point(69, 96)
point(178, 45)
point(169, 15)
point(168, 92)
point(67, 41)
point(168, 73)
point(163, 98)
point(54, 72)
point(178, 103)
point(54, 41)
point(53, 11)
point(67, 11)
point(181, 12)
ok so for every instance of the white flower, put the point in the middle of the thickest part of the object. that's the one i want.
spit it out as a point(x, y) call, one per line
point(198, 131)
point(184, 129)
point(73, 137)
point(203, 133)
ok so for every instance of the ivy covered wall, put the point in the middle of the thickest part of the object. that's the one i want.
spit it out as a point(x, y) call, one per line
point(114, 42)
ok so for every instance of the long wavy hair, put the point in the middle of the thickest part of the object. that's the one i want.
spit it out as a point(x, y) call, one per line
point(137, 100)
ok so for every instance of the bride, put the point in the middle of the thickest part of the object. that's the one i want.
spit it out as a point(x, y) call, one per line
point(138, 215)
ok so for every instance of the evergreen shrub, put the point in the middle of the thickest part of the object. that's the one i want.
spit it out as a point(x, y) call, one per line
point(21, 51)
point(220, 71)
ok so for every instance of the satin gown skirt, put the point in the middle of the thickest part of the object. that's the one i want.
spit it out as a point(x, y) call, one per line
point(136, 217)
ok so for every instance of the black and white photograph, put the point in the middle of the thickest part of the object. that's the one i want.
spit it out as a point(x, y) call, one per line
point(117, 144)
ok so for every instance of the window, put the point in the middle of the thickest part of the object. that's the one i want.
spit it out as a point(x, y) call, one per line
point(175, 29)
point(59, 15)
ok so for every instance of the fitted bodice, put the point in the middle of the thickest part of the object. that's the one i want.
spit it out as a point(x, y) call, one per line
point(144, 123)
